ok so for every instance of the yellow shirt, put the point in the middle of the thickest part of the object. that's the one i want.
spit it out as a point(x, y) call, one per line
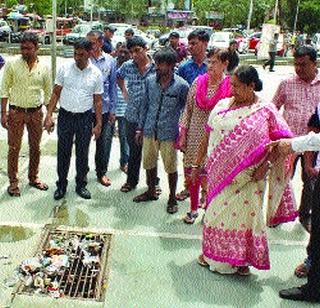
point(25, 88)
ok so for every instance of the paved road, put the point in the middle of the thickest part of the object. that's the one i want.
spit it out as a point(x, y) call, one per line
point(153, 254)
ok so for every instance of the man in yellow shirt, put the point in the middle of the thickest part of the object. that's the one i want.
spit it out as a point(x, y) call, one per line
point(25, 82)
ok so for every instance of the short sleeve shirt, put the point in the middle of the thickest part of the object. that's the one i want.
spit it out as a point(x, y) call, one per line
point(78, 86)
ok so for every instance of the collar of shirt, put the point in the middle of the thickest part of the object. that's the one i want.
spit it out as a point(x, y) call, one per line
point(87, 68)
point(25, 63)
point(313, 82)
point(150, 66)
point(102, 57)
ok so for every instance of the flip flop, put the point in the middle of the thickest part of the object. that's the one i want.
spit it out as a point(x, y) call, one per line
point(202, 262)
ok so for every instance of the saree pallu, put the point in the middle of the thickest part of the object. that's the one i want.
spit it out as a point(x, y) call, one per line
point(235, 227)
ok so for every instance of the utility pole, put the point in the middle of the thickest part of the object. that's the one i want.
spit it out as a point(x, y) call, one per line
point(249, 16)
point(296, 17)
point(54, 42)
point(275, 11)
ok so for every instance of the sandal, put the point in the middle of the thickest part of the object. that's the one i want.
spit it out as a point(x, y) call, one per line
point(39, 185)
point(243, 271)
point(146, 196)
point(126, 188)
point(183, 195)
point(190, 218)
point(201, 261)
point(301, 270)
point(172, 207)
point(104, 180)
point(13, 191)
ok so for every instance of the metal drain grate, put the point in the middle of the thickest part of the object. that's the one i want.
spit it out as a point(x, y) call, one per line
point(73, 264)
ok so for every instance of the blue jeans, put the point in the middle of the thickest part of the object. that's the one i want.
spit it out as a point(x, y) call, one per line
point(124, 147)
point(103, 146)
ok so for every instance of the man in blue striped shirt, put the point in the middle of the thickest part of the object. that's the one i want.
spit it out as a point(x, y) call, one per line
point(107, 65)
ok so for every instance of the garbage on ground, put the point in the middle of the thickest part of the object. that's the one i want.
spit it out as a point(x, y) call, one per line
point(65, 257)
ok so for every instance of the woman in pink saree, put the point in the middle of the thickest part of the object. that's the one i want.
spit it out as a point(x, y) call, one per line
point(238, 168)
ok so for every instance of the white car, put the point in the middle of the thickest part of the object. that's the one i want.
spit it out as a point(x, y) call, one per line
point(220, 39)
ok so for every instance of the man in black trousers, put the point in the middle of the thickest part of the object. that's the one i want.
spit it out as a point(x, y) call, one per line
point(309, 292)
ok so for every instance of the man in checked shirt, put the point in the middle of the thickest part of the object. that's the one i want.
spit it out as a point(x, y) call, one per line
point(299, 95)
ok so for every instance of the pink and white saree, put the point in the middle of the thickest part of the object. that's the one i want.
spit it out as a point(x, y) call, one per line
point(235, 229)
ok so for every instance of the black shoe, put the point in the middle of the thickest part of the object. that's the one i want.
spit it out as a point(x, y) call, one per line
point(83, 193)
point(271, 70)
point(59, 194)
point(297, 294)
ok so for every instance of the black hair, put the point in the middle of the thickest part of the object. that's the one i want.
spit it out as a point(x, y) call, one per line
point(97, 33)
point(174, 34)
point(129, 31)
point(221, 54)
point(30, 37)
point(165, 55)
point(83, 43)
point(248, 74)
point(306, 51)
point(201, 35)
point(136, 41)
point(232, 42)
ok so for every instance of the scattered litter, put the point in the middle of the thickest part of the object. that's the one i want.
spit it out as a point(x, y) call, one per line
point(69, 264)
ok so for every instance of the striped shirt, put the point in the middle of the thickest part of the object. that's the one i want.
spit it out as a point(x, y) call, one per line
point(121, 104)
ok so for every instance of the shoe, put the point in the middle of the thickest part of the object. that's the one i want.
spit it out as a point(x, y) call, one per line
point(59, 194)
point(271, 70)
point(298, 294)
point(83, 193)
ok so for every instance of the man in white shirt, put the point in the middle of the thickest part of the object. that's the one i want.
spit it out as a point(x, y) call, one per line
point(310, 291)
point(78, 88)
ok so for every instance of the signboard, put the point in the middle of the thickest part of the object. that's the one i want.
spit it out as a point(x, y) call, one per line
point(179, 15)
point(214, 15)
point(268, 31)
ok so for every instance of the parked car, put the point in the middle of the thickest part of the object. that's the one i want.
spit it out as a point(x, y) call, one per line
point(5, 31)
point(253, 40)
point(80, 31)
point(183, 33)
point(220, 39)
point(316, 41)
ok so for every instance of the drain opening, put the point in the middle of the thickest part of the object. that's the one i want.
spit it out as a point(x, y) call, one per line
point(68, 264)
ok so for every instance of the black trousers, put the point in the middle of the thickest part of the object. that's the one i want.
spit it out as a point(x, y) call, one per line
point(73, 127)
point(312, 288)
point(135, 155)
point(271, 61)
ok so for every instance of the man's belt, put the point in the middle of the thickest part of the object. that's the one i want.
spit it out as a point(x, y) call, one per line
point(26, 110)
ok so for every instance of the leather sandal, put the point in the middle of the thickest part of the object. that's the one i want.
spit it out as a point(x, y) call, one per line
point(39, 185)
point(126, 188)
point(301, 271)
point(146, 196)
point(105, 181)
point(13, 191)
point(183, 195)
point(172, 207)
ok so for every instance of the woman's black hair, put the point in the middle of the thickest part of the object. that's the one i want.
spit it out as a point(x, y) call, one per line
point(248, 74)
